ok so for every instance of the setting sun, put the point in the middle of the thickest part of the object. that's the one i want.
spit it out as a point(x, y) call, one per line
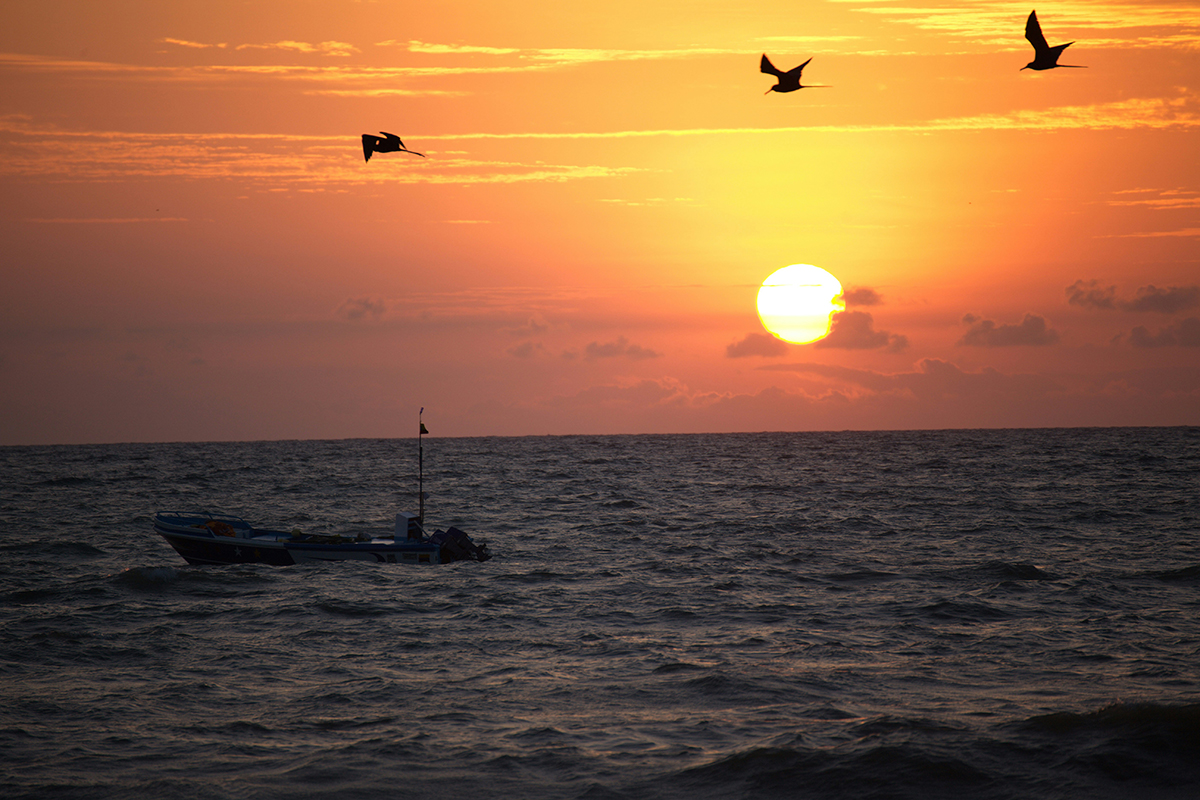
point(797, 303)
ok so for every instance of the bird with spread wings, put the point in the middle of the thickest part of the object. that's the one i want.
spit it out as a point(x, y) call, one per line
point(787, 81)
point(388, 143)
point(1044, 56)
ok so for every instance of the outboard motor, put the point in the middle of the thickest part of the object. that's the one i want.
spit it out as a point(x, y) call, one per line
point(457, 546)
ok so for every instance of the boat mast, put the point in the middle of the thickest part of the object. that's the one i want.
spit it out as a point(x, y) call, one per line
point(421, 468)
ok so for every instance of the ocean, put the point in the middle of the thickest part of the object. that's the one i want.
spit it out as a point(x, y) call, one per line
point(937, 614)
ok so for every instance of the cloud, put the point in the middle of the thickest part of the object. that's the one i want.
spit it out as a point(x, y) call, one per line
point(1089, 294)
point(756, 344)
point(1032, 331)
point(862, 296)
point(378, 92)
point(618, 349)
point(561, 55)
point(352, 78)
point(193, 45)
point(806, 39)
point(636, 396)
point(1126, 114)
point(853, 330)
point(1164, 301)
point(1121, 25)
point(527, 350)
point(1168, 300)
point(1164, 199)
point(415, 46)
point(324, 48)
point(100, 220)
point(357, 308)
point(932, 394)
point(1183, 334)
point(1183, 232)
point(933, 379)
point(648, 201)
point(519, 310)
point(1135, 113)
point(265, 159)
point(534, 326)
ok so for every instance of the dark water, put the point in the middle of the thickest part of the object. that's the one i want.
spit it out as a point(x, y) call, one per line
point(972, 614)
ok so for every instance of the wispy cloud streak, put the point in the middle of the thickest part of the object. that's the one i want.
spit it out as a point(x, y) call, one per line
point(261, 158)
point(116, 155)
point(100, 220)
point(1002, 24)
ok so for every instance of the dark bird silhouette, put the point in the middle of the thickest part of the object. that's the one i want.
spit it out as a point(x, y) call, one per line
point(788, 81)
point(1044, 56)
point(388, 143)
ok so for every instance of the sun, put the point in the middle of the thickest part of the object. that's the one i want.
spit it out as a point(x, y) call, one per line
point(797, 303)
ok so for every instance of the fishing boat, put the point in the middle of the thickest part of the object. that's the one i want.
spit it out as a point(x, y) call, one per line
point(203, 537)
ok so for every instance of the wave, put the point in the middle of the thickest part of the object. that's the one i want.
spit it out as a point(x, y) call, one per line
point(1136, 744)
point(622, 504)
point(1179, 724)
point(1009, 571)
point(869, 575)
point(54, 547)
point(964, 611)
point(1184, 574)
point(1123, 750)
point(895, 772)
point(148, 577)
point(66, 480)
point(353, 609)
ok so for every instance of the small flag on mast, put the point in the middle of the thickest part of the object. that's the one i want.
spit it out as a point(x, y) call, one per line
point(423, 428)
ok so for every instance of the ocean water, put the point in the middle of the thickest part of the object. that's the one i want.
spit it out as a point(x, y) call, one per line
point(948, 614)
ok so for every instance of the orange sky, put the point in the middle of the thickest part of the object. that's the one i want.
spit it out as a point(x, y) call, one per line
point(194, 248)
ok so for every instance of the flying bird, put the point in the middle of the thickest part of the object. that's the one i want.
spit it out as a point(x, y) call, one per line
point(788, 81)
point(1044, 56)
point(388, 143)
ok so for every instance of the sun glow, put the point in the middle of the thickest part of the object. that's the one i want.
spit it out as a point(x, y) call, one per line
point(797, 303)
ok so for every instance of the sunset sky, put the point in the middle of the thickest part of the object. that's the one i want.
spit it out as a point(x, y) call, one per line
point(194, 249)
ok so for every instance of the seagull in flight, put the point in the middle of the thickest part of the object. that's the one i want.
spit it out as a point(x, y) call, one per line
point(1044, 56)
point(388, 143)
point(788, 81)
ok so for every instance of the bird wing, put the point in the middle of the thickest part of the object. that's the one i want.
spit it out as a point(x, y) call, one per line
point(368, 146)
point(797, 70)
point(1033, 32)
point(391, 137)
point(765, 66)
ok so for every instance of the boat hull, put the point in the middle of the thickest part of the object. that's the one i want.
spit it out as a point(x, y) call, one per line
point(201, 551)
point(221, 539)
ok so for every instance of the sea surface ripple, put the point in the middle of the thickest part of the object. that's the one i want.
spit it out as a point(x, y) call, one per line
point(946, 614)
